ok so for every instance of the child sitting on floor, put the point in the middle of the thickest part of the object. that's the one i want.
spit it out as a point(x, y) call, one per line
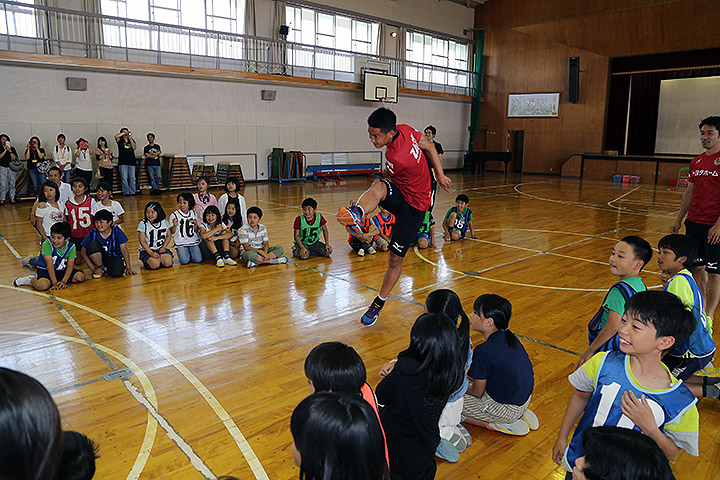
point(154, 238)
point(307, 229)
point(185, 230)
point(103, 201)
point(384, 221)
point(232, 219)
point(216, 238)
point(105, 248)
point(256, 243)
point(458, 219)
point(362, 242)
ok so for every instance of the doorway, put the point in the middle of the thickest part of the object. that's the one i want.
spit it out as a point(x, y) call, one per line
point(515, 141)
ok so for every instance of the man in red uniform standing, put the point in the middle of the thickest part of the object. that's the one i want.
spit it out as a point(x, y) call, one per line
point(701, 204)
point(407, 194)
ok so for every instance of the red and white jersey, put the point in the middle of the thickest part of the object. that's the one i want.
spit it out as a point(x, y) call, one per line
point(79, 216)
point(705, 177)
point(408, 169)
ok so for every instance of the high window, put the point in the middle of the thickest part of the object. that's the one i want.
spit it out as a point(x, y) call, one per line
point(19, 21)
point(441, 52)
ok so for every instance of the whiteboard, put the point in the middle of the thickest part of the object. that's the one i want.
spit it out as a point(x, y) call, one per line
point(684, 102)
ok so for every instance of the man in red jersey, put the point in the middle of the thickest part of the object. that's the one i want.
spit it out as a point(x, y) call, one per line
point(407, 194)
point(701, 204)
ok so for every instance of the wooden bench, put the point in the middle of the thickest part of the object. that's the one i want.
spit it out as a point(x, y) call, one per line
point(321, 172)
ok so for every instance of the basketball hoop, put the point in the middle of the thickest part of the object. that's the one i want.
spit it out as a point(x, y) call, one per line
point(386, 100)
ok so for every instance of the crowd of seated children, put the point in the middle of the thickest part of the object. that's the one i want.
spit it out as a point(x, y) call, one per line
point(458, 220)
point(632, 388)
point(215, 236)
point(384, 221)
point(626, 261)
point(154, 238)
point(306, 232)
point(253, 237)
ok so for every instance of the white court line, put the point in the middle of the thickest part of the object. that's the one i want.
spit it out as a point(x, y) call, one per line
point(610, 203)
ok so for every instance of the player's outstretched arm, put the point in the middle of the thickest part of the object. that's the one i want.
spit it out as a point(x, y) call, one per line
point(429, 148)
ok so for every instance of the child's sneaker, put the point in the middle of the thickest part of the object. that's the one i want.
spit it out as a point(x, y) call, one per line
point(351, 217)
point(447, 451)
point(458, 438)
point(279, 260)
point(531, 419)
point(371, 251)
point(23, 281)
point(518, 427)
point(219, 263)
point(27, 261)
point(251, 264)
point(229, 261)
point(371, 315)
point(361, 252)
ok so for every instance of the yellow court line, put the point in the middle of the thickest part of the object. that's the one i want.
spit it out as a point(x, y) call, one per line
point(150, 427)
point(232, 428)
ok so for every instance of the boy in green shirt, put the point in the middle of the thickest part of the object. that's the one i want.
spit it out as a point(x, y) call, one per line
point(307, 229)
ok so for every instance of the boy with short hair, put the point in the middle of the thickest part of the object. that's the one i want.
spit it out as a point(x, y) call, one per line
point(632, 388)
point(255, 242)
point(626, 261)
point(103, 201)
point(384, 221)
point(361, 242)
point(458, 219)
point(676, 255)
point(105, 248)
point(426, 235)
point(78, 458)
point(55, 266)
point(56, 176)
point(307, 229)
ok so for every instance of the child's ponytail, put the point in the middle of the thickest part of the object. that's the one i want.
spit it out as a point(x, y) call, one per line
point(500, 310)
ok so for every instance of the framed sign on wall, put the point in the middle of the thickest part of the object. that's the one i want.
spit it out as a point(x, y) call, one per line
point(533, 104)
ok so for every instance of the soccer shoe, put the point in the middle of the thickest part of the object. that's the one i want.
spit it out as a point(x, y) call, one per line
point(531, 419)
point(23, 281)
point(229, 261)
point(361, 252)
point(447, 451)
point(219, 263)
point(251, 264)
point(518, 427)
point(371, 251)
point(371, 315)
point(351, 218)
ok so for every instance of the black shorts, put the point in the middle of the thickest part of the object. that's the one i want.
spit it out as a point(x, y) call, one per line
point(114, 266)
point(59, 274)
point(708, 255)
point(145, 256)
point(408, 220)
point(683, 368)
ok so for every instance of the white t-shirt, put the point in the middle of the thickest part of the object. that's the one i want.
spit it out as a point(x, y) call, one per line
point(115, 208)
point(50, 215)
point(63, 155)
point(186, 235)
point(207, 228)
point(84, 161)
point(66, 193)
point(154, 234)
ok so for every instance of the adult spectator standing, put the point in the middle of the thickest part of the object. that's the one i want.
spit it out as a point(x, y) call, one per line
point(7, 174)
point(37, 167)
point(701, 204)
point(126, 161)
point(152, 152)
point(430, 133)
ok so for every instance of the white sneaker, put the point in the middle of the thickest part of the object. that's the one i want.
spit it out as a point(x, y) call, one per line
point(279, 260)
point(219, 263)
point(371, 251)
point(531, 419)
point(361, 252)
point(518, 427)
point(23, 281)
point(251, 264)
point(229, 261)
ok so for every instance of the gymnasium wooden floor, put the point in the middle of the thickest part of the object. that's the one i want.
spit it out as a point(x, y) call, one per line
point(217, 355)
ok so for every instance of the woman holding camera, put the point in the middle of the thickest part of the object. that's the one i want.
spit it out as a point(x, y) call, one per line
point(85, 163)
point(35, 156)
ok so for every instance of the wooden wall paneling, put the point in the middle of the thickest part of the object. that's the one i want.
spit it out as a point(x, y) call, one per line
point(600, 169)
point(571, 168)
point(669, 170)
point(646, 170)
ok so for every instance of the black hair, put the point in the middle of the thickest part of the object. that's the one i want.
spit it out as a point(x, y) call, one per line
point(104, 186)
point(80, 180)
point(681, 246)
point(336, 367)
point(188, 197)
point(51, 184)
point(432, 129)
point(4, 135)
point(203, 177)
point(125, 128)
point(641, 248)
point(500, 310)
point(35, 137)
point(155, 205)
point(384, 119)
point(78, 459)
point(54, 168)
point(104, 140)
point(103, 214)
point(664, 311)
point(434, 343)
point(212, 209)
point(236, 221)
point(338, 437)
point(462, 198)
point(447, 302)
point(256, 210)
point(615, 453)
point(30, 429)
point(61, 228)
point(232, 180)
point(79, 141)
point(61, 135)
point(309, 202)
point(148, 134)
point(714, 121)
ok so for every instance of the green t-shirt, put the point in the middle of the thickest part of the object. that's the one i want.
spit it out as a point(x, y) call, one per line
point(615, 300)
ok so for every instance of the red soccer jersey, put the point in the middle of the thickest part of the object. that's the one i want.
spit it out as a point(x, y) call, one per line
point(80, 217)
point(705, 177)
point(408, 169)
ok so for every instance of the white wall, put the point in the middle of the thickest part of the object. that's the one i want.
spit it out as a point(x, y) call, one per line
point(203, 116)
point(683, 104)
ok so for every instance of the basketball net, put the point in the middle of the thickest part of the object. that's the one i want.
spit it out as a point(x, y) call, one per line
point(387, 101)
